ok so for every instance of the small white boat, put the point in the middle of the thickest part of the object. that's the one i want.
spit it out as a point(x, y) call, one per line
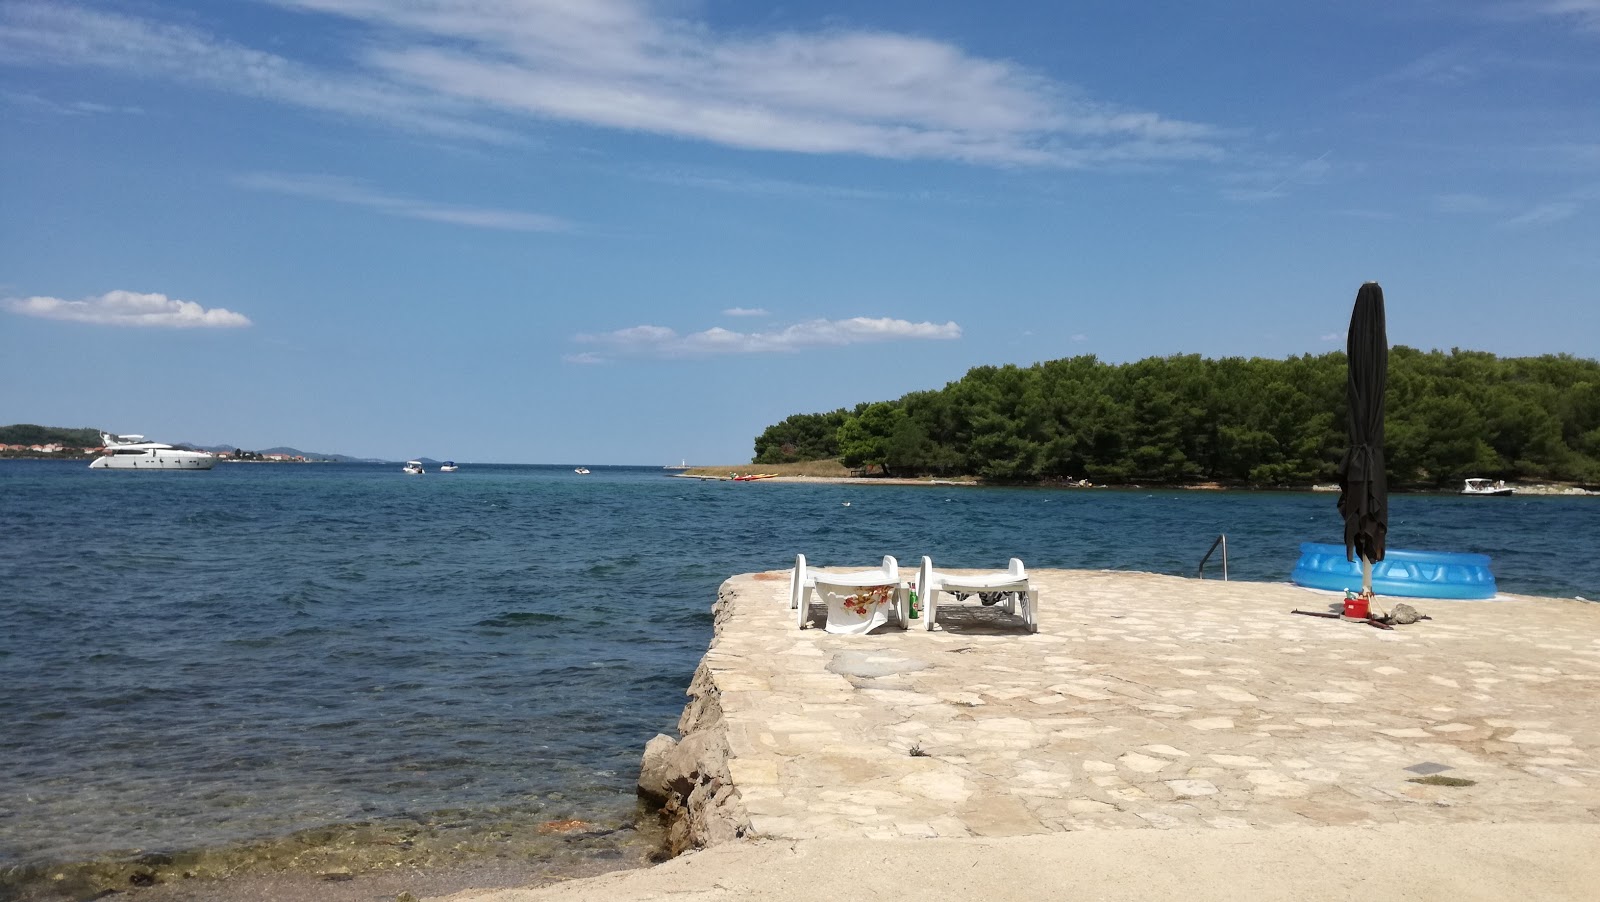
point(448, 466)
point(1477, 486)
point(582, 471)
point(413, 468)
point(132, 452)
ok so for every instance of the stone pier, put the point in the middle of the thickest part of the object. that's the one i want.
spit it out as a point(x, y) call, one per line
point(1143, 702)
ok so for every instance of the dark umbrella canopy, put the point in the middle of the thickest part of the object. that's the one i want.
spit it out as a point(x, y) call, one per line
point(1363, 487)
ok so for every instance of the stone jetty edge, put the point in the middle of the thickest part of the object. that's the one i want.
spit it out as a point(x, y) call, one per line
point(1198, 708)
point(688, 778)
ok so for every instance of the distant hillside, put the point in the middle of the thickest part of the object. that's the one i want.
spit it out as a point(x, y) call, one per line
point(314, 455)
point(292, 452)
point(29, 434)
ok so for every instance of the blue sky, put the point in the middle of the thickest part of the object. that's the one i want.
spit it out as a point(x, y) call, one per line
point(618, 231)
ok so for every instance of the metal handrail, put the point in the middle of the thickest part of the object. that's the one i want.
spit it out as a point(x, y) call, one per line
point(1223, 541)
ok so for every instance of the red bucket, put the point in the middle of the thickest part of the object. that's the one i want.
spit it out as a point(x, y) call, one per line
point(1356, 607)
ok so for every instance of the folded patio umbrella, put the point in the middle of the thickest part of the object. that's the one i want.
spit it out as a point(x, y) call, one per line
point(1363, 485)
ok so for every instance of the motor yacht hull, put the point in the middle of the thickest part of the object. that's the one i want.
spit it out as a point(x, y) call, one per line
point(155, 460)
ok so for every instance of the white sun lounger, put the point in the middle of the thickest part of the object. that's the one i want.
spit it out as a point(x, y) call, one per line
point(1013, 581)
point(850, 610)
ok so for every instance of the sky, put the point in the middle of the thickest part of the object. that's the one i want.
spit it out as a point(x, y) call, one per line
point(634, 232)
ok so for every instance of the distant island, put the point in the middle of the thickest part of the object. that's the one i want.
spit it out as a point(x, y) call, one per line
point(26, 440)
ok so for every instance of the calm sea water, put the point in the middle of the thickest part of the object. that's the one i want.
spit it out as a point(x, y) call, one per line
point(192, 660)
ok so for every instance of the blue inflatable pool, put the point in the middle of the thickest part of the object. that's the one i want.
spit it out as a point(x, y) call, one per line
point(1411, 574)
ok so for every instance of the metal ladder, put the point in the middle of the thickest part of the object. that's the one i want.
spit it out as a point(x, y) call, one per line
point(1221, 540)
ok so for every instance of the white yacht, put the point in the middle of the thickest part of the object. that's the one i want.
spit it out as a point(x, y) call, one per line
point(132, 452)
point(413, 468)
point(448, 466)
point(581, 471)
point(1479, 486)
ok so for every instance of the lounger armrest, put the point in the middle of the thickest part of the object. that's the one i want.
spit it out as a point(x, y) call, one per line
point(995, 583)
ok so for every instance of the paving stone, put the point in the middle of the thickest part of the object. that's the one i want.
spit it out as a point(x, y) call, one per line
point(1143, 764)
point(1257, 719)
point(1529, 737)
point(1189, 789)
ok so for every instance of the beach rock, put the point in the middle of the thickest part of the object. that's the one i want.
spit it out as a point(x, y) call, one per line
point(653, 769)
point(689, 777)
point(1403, 613)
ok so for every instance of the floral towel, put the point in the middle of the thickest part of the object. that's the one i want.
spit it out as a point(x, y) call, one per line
point(855, 611)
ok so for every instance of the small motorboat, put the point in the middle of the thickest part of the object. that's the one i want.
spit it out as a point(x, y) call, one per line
point(448, 466)
point(581, 471)
point(1478, 486)
point(413, 468)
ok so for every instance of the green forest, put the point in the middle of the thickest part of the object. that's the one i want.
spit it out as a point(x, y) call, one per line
point(29, 434)
point(1186, 419)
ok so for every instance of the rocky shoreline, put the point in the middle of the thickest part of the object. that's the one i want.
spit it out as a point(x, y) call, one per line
point(688, 778)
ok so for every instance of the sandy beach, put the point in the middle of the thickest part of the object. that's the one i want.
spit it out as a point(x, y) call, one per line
point(1158, 737)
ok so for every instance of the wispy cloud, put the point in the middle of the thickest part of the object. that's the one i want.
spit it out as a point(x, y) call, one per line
point(62, 34)
point(1544, 214)
point(462, 66)
point(1447, 66)
point(128, 308)
point(744, 311)
point(1583, 13)
point(1465, 203)
point(1270, 179)
point(661, 341)
point(739, 183)
point(67, 108)
point(355, 193)
point(586, 358)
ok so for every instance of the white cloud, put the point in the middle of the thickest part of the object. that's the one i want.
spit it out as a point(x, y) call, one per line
point(350, 191)
point(128, 308)
point(585, 358)
point(744, 311)
point(1080, 337)
point(1332, 337)
point(660, 341)
point(1544, 214)
point(56, 34)
point(459, 66)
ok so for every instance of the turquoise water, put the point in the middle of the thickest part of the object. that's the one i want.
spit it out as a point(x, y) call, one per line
point(191, 660)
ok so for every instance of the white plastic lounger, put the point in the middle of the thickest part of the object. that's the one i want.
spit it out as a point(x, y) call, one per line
point(1013, 582)
point(858, 600)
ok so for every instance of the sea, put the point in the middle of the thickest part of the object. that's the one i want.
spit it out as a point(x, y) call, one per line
point(339, 666)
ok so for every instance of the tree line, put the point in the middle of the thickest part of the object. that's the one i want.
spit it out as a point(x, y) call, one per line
point(1186, 419)
point(29, 434)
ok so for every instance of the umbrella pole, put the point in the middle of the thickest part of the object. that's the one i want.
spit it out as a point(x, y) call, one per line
point(1366, 576)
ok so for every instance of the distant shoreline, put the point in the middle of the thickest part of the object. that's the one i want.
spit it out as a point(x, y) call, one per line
point(973, 482)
